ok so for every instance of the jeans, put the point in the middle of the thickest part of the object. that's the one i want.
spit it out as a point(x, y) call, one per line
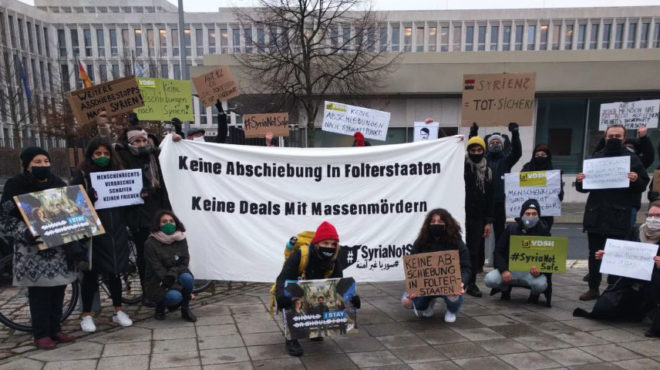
point(90, 286)
point(173, 297)
point(537, 284)
point(422, 303)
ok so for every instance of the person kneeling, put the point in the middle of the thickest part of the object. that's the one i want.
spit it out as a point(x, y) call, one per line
point(169, 283)
point(501, 279)
point(440, 232)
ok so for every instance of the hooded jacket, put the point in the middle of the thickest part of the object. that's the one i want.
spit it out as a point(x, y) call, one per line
point(163, 260)
point(501, 163)
point(478, 201)
point(313, 271)
point(547, 166)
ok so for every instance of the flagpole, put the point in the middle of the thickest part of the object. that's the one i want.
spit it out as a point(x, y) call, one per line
point(182, 53)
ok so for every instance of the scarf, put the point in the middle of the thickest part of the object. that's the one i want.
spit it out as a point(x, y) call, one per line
point(647, 235)
point(480, 170)
point(168, 239)
point(149, 168)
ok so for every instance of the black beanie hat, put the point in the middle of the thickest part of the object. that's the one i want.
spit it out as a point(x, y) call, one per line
point(530, 203)
point(29, 153)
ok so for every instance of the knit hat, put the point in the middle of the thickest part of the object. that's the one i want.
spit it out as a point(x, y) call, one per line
point(495, 137)
point(325, 231)
point(132, 135)
point(543, 148)
point(195, 130)
point(476, 140)
point(28, 154)
point(359, 138)
point(530, 204)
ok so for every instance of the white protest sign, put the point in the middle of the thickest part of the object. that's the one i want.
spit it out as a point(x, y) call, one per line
point(606, 173)
point(629, 259)
point(117, 188)
point(426, 131)
point(544, 186)
point(631, 114)
point(348, 119)
point(241, 204)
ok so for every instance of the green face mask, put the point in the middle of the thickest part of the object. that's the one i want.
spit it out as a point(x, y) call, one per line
point(168, 228)
point(101, 161)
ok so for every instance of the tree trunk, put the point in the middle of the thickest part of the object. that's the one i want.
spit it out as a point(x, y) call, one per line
point(311, 133)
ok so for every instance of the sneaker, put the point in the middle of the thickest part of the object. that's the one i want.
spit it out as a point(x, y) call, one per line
point(122, 319)
point(428, 312)
point(474, 291)
point(294, 348)
point(87, 324)
point(63, 338)
point(45, 343)
point(590, 295)
point(450, 317)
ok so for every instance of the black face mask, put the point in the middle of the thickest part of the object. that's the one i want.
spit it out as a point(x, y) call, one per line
point(326, 253)
point(613, 145)
point(437, 231)
point(41, 173)
point(540, 161)
point(476, 158)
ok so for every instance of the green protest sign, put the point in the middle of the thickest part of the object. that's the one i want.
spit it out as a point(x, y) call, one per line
point(165, 99)
point(548, 254)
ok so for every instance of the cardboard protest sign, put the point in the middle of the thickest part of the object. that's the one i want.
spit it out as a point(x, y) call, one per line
point(606, 173)
point(497, 99)
point(631, 114)
point(348, 119)
point(165, 99)
point(543, 186)
point(114, 97)
point(218, 84)
point(431, 274)
point(656, 180)
point(425, 131)
point(59, 216)
point(321, 308)
point(117, 188)
point(258, 125)
point(629, 259)
point(548, 254)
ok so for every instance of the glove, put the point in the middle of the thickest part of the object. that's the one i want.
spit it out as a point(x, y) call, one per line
point(83, 266)
point(513, 127)
point(29, 238)
point(167, 281)
point(144, 192)
point(355, 301)
point(133, 119)
point(283, 302)
point(93, 195)
point(474, 129)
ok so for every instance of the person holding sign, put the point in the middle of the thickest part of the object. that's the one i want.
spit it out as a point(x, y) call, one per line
point(440, 232)
point(45, 273)
point(609, 212)
point(501, 279)
point(110, 251)
point(542, 161)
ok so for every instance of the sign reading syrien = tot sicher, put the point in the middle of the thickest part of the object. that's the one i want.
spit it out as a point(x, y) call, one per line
point(218, 84)
point(433, 274)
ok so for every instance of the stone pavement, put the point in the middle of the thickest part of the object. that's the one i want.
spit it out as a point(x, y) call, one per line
point(235, 332)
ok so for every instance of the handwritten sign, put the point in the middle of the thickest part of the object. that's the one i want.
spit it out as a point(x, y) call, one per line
point(218, 84)
point(543, 186)
point(606, 173)
point(497, 99)
point(629, 259)
point(426, 131)
point(348, 119)
point(548, 254)
point(631, 114)
point(114, 97)
point(165, 99)
point(117, 188)
point(258, 125)
point(431, 274)
point(656, 181)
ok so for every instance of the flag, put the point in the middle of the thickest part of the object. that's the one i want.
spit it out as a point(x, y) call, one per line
point(23, 75)
point(139, 71)
point(82, 74)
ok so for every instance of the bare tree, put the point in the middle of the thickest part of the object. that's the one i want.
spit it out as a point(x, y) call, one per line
point(315, 49)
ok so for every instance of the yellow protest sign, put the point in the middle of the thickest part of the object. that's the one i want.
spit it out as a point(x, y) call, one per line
point(165, 99)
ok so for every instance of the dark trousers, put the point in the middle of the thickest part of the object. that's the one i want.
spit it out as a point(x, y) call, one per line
point(46, 310)
point(90, 286)
point(499, 222)
point(474, 231)
point(139, 237)
point(653, 289)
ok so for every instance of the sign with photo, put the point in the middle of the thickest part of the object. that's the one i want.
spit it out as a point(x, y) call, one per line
point(426, 131)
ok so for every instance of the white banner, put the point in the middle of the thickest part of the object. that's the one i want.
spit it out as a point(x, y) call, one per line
point(629, 259)
point(117, 188)
point(631, 114)
point(241, 204)
point(543, 186)
point(348, 119)
point(606, 173)
point(426, 131)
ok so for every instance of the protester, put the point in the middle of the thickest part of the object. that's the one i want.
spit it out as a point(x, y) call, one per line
point(440, 232)
point(168, 281)
point(542, 161)
point(236, 135)
point(359, 139)
point(641, 146)
point(609, 212)
point(110, 251)
point(45, 273)
point(322, 263)
point(269, 139)
point(501, 278)
point(478, 207)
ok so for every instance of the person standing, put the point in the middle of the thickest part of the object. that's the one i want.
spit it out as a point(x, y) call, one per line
point(542, 161)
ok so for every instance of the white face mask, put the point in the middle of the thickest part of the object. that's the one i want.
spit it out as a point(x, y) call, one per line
point(653, 223)
point(201, 138)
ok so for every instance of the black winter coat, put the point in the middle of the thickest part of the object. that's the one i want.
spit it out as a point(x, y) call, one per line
point(478, 203)
point(609, 211)
point(163, 260)
point(530, 166)
point(500, 164)
point(437, 246)
point(501, 254)
point(313, 271)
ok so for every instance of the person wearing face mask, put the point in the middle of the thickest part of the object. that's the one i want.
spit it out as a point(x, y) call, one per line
point(478, 207)
point(542, 161)
point(501, 279)
point(236, 135)
point(322, 263)
point(440, 232)
point(168, 281)
point(45, 273)
point(609, 212)
point(110, 251)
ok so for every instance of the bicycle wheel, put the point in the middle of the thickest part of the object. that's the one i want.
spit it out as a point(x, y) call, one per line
point(14, 305)
point(131, 286)
point(201, 285)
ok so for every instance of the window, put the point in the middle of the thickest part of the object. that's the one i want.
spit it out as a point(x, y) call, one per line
point(556, 36)
point(419, 39)
point(656, 36)
point(346, 37)
point(3, 36)
point(126, 44)
point(103, 72)
point(33, 64)
point(212, 39)
point(175, 42)
point(382, 37)
point(164, 71)
point(36, 33)
point(481, 46)
point(74, 42)
point(433, 38)
point(469, 38)
point(100, 40)
point(560, 124)
point(632, 35)
point(236, 40)
point(187, 42)
point(224, 39)
point(46, 40)
point(444, 38)
point(113, 42)
point(115, 71)
point(202, 112)
point(87, 37)
point(607, 33)
point(20, 33)
point(128, 69)
point(371, 39)
point(396, 37)
point(50, 78)
point(506, 38)
point(177, 71)
point(407, 39)
point(42, 74)
point(519, 37)
point(61, 43)
point(593, 42)
point(12, 34)
point(248, 40)
point(162, 42)
point(568, 41)
point(30, 38)
point(544, 37)
point(618, 37)
point(150, 43)
point(644, 37)
point(456, 45)
point(494, 34)
point(531, 36)
point(90, 71)
point(581, 36)
point(138, 42)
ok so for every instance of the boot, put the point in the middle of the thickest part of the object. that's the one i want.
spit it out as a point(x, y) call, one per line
point(506, 295)
point(294, 348)
point(45, 343)
point(494, 291)
point(159, 314)
point(533, 298)
point(548, 295)
point(474, 291)
point(187, 314)
point(590, 294)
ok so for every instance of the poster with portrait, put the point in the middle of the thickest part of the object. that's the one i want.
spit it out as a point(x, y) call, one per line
point(59, 216)
point(320, 308)
point(426, 131)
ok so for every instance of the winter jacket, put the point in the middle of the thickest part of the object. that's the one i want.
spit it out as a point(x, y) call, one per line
point(463, 255)
point(32, 268)
point(163, 260)
point(501, 254)
point(501, 164)
point(643, 148)
point(478, 202)
point(313, 271)
point(530, 166)
point(609, 211)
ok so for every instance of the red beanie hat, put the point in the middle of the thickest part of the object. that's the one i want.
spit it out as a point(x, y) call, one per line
point(325, 231)
point(359, 138)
